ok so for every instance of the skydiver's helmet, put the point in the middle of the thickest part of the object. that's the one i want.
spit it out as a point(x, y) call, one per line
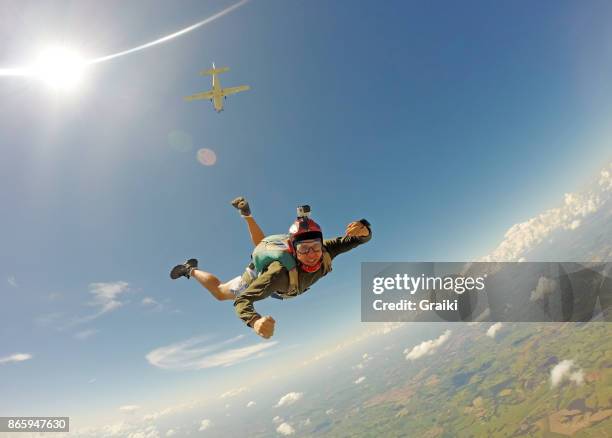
point(302, 229)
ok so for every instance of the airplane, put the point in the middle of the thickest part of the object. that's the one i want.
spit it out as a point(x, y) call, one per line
point(217, 94)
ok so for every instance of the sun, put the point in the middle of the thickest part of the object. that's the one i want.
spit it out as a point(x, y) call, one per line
point(59, 67)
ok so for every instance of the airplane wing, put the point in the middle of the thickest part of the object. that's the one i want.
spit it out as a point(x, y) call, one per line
point(204, 95)
point(234, 90)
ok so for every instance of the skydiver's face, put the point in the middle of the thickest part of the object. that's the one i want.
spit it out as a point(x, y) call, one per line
point(309, 252)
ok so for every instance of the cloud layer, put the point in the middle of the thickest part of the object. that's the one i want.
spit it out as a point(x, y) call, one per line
point(524, 236)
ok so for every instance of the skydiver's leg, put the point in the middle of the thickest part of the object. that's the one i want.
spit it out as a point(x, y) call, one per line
point(242, 205)
point(220, 291)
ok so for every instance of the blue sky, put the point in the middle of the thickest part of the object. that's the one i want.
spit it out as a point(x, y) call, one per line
point(442, 123)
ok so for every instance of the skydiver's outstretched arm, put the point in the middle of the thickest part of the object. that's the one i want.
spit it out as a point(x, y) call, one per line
point(256, 233)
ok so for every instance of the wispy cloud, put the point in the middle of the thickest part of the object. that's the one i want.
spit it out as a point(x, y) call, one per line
point(566, 370)
point(492, 331)
point(49, 319)
point(171, 410)
point(82, 335)
point(426, 348)
point(524, 236)
point(17, 357)
point(233, 392)
point(151, 304)
point(12, 281)
point(129, 408)
point(106, 295)
point(250, 404)
point(289, 399)
point(285, 429)
point(194, 354)
point(359, 380)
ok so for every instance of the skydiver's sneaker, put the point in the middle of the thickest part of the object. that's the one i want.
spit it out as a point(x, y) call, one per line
point(242, 205)
point(184, 270)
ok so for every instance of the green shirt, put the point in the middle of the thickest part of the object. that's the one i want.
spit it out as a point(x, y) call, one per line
point(276, 278)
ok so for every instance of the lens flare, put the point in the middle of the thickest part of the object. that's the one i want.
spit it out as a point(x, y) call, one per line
point(207, 157)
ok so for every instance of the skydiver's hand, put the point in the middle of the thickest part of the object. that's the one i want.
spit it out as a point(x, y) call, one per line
point(264, 327)
point(357, 229)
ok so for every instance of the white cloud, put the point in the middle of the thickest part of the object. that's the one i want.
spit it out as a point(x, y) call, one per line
point(117, 429)
point(492, 331)
point(365, 359)
point(427, 347)
point(277, 420)
point(563, 371)
point(129, 408)
point(330, 411)
point(170, 410)
point(205, 424)
point(285, 429)
point(359, 380)
point(577, 377)
point(546, 286)
point(149, 432)
point(106, 295)
point(522, 237)
point(12, 281)
point(151, 303)
point(193, 354)
point(170, 432)
point(233, 392)
point(605, 178)
point(250, 404)
point(289, 399)
point(385, 328)
point(17, 357)
point(82, 335)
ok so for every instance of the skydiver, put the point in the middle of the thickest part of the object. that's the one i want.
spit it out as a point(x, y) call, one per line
point(307, 259)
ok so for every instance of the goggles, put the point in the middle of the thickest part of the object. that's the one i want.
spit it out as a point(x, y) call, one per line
point(305, 247)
